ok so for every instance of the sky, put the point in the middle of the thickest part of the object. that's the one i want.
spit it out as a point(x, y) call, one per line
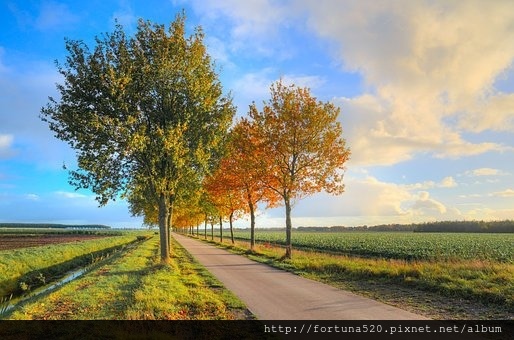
point(425, 88)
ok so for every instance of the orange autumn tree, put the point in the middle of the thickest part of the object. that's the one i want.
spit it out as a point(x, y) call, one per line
point(302, 142)
point(224, 194)
point(249, 163)
point(188, 212)
point(239, 182)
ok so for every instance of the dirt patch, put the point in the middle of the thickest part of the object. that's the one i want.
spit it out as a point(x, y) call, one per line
point(23, 241)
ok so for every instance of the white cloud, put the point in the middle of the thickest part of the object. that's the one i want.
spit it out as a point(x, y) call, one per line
point(255, 86)
point(250, 24)
point(362, 197)
point(426, 208)
point(484, 213)
point(218, 51)
point(448, 182)
point(425, 203)
point(311, 82)
point(493, 113)
point(483, 172)
point(53, 15)
point(371, 201)
point(32, 197)
point(424, 62)
point(6, 142)
point(70, 195)
point(380, 134)
point(125, 16)
point(25, 90)
point(504, 193)
point(250, 87)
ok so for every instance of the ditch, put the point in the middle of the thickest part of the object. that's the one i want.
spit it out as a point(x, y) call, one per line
point(98, 259)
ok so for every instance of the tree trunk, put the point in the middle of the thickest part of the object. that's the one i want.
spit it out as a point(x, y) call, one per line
point(252, 225)
point(231, 228)
point(212, 230)
point(289, 226)
point(163, 227)
point(169, 221)
point(221, 230)
point(205, 227)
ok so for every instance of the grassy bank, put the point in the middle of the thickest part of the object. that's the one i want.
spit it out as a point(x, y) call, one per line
point(22, 268)
point(451, 289)
point(137, 286)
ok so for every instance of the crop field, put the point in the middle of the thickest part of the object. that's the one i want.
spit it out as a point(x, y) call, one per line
point(399, 245)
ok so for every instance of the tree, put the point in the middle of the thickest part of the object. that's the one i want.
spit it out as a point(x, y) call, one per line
point(303, 141)
point(247, 163)
point(145, 115)
point(224, 191)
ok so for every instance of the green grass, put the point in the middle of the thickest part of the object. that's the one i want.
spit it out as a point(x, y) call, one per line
point(487, 286)
point(23, 266)
point(137, 286)
point(190, 293)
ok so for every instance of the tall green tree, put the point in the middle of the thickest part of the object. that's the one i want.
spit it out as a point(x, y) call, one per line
point(145, 115)
point(303, 146)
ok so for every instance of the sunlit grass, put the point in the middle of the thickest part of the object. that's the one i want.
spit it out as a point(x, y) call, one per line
point(101, 294)
point(16, 264)
point(182, 290)
point(137, 286)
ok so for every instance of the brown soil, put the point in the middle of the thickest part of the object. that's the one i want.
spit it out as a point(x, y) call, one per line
point(23, 241)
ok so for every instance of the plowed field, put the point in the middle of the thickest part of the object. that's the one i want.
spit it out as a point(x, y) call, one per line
point(8, 242)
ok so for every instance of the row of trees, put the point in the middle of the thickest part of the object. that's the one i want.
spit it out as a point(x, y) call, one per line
point(289, 149)
point(149, 121)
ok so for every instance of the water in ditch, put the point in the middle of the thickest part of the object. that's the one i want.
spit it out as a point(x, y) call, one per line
point(8, 305)
point(14, 302)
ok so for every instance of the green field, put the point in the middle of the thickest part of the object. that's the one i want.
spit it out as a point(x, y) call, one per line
point(399, 245)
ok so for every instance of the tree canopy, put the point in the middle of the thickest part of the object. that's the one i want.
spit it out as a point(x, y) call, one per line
point(302, 143)
point(146, 115)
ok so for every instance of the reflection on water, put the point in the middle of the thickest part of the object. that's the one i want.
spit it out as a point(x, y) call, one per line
point(11, 303)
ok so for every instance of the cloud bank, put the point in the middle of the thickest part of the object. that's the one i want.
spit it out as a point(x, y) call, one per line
point(430, 68)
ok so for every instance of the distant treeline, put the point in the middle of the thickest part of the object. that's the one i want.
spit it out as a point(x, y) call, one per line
point(506, 226)
point(468, 227)
point(53, 226)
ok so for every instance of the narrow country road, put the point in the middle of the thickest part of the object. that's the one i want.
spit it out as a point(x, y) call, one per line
point(273, 294)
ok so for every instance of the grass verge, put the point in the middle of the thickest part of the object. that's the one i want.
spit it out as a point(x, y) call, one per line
point(26, 268)
point(137, 286)
point(467, 289)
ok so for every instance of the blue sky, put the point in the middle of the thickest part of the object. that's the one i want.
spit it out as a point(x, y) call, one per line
point(426, 91)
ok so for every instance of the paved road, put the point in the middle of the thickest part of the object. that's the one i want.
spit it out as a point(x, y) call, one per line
point(273, 294)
